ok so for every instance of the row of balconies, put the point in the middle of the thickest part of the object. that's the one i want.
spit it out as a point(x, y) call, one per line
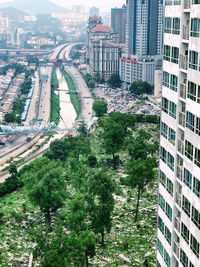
point(186, 3)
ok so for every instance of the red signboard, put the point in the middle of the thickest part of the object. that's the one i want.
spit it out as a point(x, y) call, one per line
point(128, 60)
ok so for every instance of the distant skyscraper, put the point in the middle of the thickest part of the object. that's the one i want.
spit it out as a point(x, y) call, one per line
point(118, 22)
point(143, 41)
point(78, 9)
point(178, 237)
point(94, 11)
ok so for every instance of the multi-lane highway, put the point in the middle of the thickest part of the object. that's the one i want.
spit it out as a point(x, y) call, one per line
point(83, 91)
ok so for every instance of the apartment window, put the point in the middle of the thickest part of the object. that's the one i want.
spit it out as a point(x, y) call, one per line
point(193, 60)
point(186, 206)
point(183, 258)
point(197, 157)
point(160, 248)
point(162, 202)
point(172, 136)
point(187, 178)
point(162, 178)
point(168, 211)
point(169, 187)
point(166, 79)
point(176, 26)
point(192, 90)
point(174, 82)
point(196, 217)
point(165, 104)
point(189, 150)
point(170, 161)
point(198, 126)
point(168, 25)
point(198, 94)
point(163, 154)
point(167, 258)
point(195, 27)
point(172, 110)
point(195, 2)
point(161, 225)
point(164, 130)
point(175, 55)
point(194, 245)
point(168, 235)
point(196, 186)
point(190, 121)
point(185, 232)
point(167, 52)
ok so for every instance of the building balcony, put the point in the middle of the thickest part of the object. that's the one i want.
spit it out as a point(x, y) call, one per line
point(181, 146)
point(179, 173)
point(176, 249)
point(187, 4)
point(178, 199)
point(183, 63)
point(177, 224)
point(183, 90)
point(182, 119)
point(186, 32)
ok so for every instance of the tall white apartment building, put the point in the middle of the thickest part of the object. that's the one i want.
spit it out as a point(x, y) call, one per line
point(178, 235)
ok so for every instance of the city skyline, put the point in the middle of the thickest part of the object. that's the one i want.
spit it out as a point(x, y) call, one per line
point(87, 3)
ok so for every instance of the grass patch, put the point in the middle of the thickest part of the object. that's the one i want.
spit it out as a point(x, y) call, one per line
point(54, 81)
point(55, 101)
point(73, 97)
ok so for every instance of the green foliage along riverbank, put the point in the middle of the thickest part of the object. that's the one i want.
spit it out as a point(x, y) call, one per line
point(73, 96)
point(55, 102)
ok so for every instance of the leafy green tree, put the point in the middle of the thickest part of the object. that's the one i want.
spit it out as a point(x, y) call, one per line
point(140, 88)
point(127, 121)
point(114, 81)
point(57, 150)
point(100, 107)
point(83, 130)
point(100, 202)
point(77, 145)
point(141, 166)
point(12, 169)
point(111, 135)
point(77, 222)
point(10, 117)
point(46, 188)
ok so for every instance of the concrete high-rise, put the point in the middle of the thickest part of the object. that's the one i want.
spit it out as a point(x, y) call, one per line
point(118, 22)
point(178, 237)
point(94, 11)
point(143, 41)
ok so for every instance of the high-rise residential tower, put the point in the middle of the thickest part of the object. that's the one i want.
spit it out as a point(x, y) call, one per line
point(93, 11)
point(118, 22)
point(144, 37)
point(178, 237)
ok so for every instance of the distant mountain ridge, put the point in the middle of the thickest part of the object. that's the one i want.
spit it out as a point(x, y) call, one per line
point(12, 13)
point(34, 6)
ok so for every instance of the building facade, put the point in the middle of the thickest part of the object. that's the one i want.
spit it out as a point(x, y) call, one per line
point(93, 11)
point(118, 22)
point(178, 236)
point(144, 37)
point(104, 52)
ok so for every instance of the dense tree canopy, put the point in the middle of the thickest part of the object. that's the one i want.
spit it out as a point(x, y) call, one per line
point(100, 107)
point(114, 81)
point(140, 88)
point(46, 188)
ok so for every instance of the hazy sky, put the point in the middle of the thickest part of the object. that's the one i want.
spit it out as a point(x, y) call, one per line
point(104, 5)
